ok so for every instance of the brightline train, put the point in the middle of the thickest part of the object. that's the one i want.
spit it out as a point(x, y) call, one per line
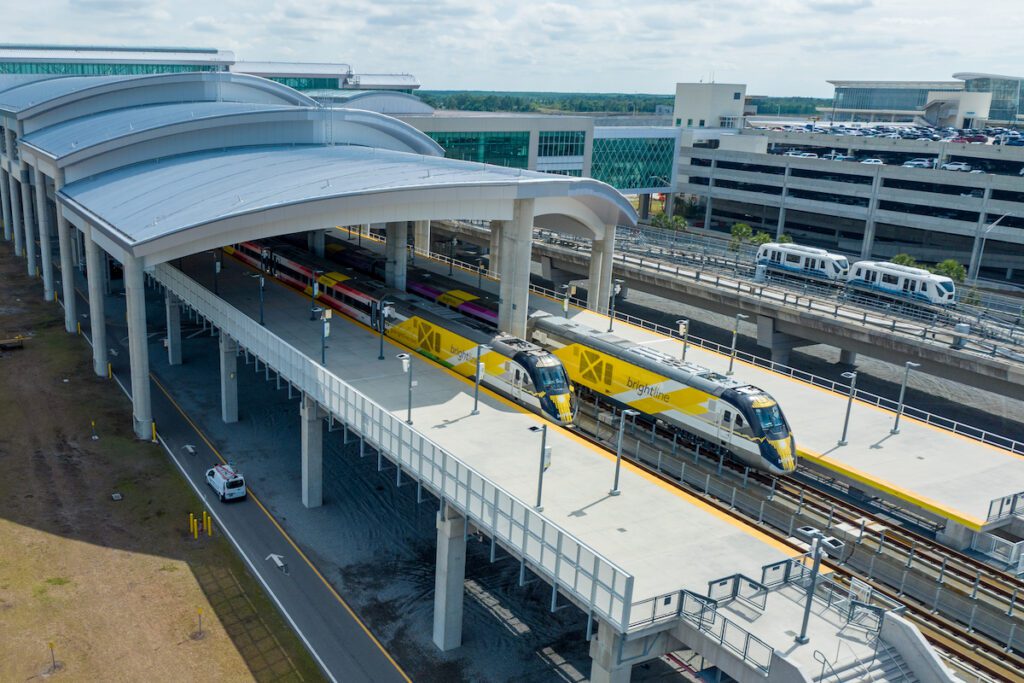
point(516, 368)
point(881, 278)
point(717, 410)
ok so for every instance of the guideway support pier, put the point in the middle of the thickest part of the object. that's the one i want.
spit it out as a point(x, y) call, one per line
point(228, 378)
point(395, 266)
point(311, 416)
point(449, 577)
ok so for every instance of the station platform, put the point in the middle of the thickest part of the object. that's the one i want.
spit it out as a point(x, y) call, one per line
point(944, 475)
point(648, 530)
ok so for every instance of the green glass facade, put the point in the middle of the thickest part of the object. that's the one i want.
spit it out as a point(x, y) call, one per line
point(888, 99)
point(562, 143)
point(1007, 96)
point(86, 69)
point(633, 163)
point(511, 148)
point(309, 83)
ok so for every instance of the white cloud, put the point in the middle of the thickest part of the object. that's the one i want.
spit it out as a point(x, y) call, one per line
point(775, 46)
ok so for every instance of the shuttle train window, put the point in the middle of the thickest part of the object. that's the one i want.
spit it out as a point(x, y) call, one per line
point(889, 279)
point(727, 417)
point(792, 258)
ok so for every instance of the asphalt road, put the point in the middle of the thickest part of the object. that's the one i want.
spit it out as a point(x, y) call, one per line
point(343, 646)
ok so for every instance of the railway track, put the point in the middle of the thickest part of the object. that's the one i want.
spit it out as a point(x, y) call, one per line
point(968, 648)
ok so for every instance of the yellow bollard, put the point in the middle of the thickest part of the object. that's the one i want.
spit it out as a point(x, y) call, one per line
point(191, 522)
point(209, 525)
point(78, 326)
point(195, 530)
point(154, 432)
point(110, 371)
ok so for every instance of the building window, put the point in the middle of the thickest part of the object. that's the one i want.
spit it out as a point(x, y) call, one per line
point(309, 83)
point(701, 123)
point(83, 69)
point(633, 163)
point(736, 95)
point(888, 99)
point(689, 123)
point(679, 122)
point(510, 148)
point(728, 122)
point(574, 172)
point(562, 143)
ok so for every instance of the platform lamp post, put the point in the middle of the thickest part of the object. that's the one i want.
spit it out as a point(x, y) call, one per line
point(479, 272)
point(480, 370)
point(903, 390)
point(545, 462)
point(616, 288)
point(262, 283)
point(568, 291)
point(325, 319)
point(817, 539)
point(735, 334)
point(384, 311)
point(314, 293)
point(684, 331)
point(407, 369)
point(618, 448)
point(852, 376)
point(452, 243)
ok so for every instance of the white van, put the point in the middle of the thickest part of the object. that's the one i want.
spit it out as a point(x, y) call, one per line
point(226, 481)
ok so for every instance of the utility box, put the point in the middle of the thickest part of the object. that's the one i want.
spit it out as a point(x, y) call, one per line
point(960, 332)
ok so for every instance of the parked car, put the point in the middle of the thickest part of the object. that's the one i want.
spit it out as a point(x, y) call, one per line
point(956, 166)
point(226, 481)
point(873, 162)
point(808, 155)
point(920, 162)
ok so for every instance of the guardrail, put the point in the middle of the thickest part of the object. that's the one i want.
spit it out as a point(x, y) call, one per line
point(593, 580)
point(702, 612)
point(954, 426)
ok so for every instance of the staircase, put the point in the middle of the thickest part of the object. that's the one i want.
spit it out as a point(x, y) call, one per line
point(885, 667)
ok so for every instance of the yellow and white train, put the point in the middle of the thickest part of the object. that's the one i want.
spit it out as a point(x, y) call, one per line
point(719, 410)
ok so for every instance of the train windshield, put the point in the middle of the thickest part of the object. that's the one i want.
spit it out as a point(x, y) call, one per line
point(551, 380)
point(946, 285)
point(771, 421)
point(842, 263)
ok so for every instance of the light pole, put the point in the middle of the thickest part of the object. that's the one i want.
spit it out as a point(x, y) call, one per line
point(407, 369)
point(817, 539)
point(216, 272)
point(735, 333)
point(480, 369)
point(479, 272)
point(314, 293)
point(384, 309)
point(852, 376)
point(545, 463)
point(903, 390)
point(262, 281)
point(325, 318)
point(452, 243)
point(981, 251)
point(684, 330)
point(615, 292)
point(567, 292)
point(618, 448)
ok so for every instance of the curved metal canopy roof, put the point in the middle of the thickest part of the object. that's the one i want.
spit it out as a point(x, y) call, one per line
point(165, 208)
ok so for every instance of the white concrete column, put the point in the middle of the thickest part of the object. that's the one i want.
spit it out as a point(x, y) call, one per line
point(780, 226)
point(605, 655)
point(869, 223)
point(315, 240)
point(449, 578)
point(395, 252)
point(28, 214)
point(312, 428)
point(494, 254)
point(97, 317)
point(421, 236)
point(67, 271)
point(5, 201)
point(516, 247)
point(607, 266)
point(45, 253)
point(228, 377)
point(16, 225)
point(975, 263)
point(138, 346)
point(594, 277)
point(173, 306)
point(847, 357)
point(711, 185)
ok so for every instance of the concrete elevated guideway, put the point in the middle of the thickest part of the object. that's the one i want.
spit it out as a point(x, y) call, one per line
point(783, 326)
point(970, 486)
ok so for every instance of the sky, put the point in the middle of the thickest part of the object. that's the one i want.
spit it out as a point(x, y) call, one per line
point(776, 47)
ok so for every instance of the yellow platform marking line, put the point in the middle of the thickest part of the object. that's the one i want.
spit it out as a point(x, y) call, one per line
point(905, 418)
point(893, 490)
point(641, 472)
point(288, 538)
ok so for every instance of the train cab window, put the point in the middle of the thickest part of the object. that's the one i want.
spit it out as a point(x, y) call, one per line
point(924, 286)
point(835, 267)
point(859, 272)
point(739, 421)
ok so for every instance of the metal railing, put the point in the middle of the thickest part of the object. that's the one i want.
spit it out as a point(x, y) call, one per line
point(702, 613)
point(1011, 553)
point(591, 579)
point(739, 587)
point(1006, 506)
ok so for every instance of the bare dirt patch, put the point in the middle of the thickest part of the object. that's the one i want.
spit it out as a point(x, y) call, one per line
point(116, 586)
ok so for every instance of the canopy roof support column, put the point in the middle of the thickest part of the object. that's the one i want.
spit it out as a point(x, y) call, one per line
point(421, 237)
point(29, 219)
point(97, 314)
point(5, 200)
point(45, 253)
point(494, 258)
point(16, 224)
point(228, 378)
point(599, 287)
point(173, 306)
point(395, 267)
point(516, 247)
point(138, 346)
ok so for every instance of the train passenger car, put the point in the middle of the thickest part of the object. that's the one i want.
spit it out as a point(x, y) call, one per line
point(513, 367)
point(801, 261)
point(725, 413)
point(895, 281)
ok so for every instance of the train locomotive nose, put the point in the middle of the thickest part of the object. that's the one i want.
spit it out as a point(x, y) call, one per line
point(563, 407)
point(786, 453)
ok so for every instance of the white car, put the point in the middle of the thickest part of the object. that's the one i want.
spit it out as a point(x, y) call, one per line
point(956, 166)
point(873, 162)
point(808, 155)
point(227, 482)
point(918, 163)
